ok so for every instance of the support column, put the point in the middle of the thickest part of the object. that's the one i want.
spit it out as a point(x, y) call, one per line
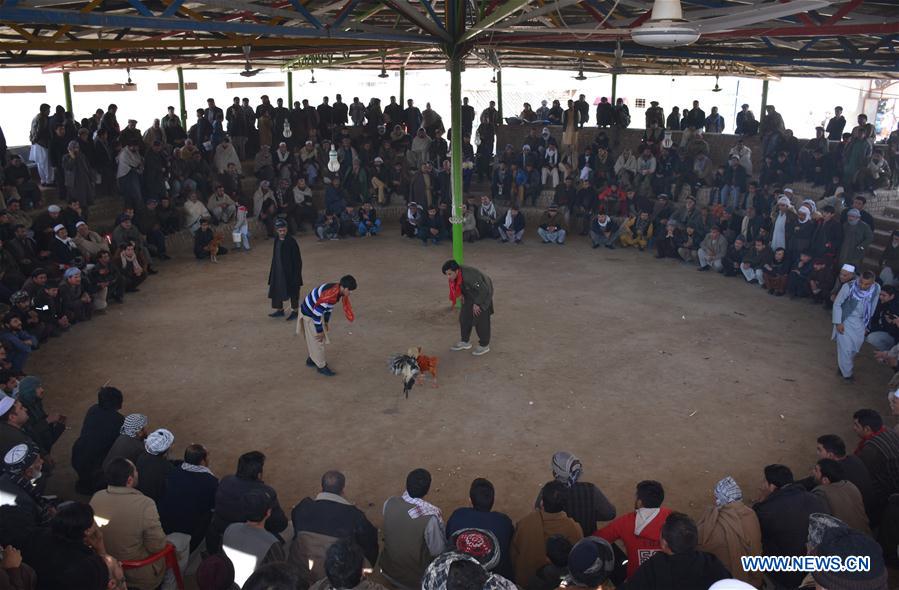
point(403, 86)
point(764, 98)
point(499, 96)
point(181, 98)
point(68, 88)
point(614, 87)
point(456, 158)
point(289, 89)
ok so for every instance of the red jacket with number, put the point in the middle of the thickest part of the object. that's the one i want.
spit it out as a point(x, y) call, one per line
point(639, 547)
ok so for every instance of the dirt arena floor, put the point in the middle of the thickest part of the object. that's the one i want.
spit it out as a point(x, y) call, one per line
point(643, 368)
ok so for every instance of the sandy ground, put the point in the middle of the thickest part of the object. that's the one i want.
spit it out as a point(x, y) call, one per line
point(643, 368)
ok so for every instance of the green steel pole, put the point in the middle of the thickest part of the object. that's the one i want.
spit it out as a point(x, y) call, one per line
point(614, 87)
point(289, 89)
point(456, 158)
point(68, 88)
point(181, 97)
point(403, 86)
point(499, 96)
point(764, 98)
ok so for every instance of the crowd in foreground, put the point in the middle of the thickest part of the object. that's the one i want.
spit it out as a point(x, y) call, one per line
point(145, 496)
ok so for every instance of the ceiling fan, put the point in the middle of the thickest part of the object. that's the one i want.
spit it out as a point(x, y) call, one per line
point(248, 72)
point(668, 28)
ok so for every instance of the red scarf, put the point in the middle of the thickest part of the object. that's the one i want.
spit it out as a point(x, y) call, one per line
point(332, 296)
point(866, 438)
point(455, 286)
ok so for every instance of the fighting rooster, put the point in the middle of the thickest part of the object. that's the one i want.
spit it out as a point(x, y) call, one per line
point(407, 366)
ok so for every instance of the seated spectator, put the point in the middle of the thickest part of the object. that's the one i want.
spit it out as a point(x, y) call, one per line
point(432, 227)
point(469, 225)
point(130, 442)
point(153, 466)
point(63, 251)
point(150, 226)
point(18, 343)
point(512, 228)
point(204, 243)
point(71, 550)
point(89, 242)
point(276, 575)
point(481, 516)
point(24, 308)
point(247, 544)
point(552, 226)
point(844, 543)
point(586, 503)
point(679, 564)
point(775, 273)
point(613, 199)
point(783, 510)
point(367, 221)
point(21, 501)
point(883, 332)
point(99, 430)
point(319, 523)
point(411, 221)
point(754, 262)
point(125, 232)
point(730, 530)
point(413, 533)
point(842, 499)
point(194, 212)
point(668, 244)
point(820, 281)
point(168, 216)
point(344, 563)
point(327, 227)
point(528, 552)
point(229, 504)
point(603, 231)
point(303, 205)
point(552, 575)
point(221, 205)
point(878, 448)
point(132, 267)
point(132, 530)
point(487, 219)
point(637, 231)
point(640, 530)
point(43, 428)
point(187, 503)
point(712, 251)
point(797, 280)
point(107, 282)
point(347, 221)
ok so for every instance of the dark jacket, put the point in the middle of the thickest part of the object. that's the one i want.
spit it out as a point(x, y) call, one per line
point(229, 502)
point(152, 470)
point(338, 519)
point(496, 522)
point(291, 265)
point(99, 431)
point(187, 503)
point(783, 517)
point(696, 570)
point(477, 288)
point(61, 564)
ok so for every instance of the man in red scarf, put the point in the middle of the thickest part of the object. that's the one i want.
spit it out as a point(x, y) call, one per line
point(475, 289)
point(316, 312)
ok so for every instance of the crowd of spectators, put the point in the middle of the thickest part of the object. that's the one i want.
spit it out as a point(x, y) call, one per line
point(143, 498)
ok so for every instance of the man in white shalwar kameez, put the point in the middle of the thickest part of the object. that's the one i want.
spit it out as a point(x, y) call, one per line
point(852, 311)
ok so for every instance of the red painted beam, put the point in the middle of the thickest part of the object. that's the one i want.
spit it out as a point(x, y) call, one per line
point(640, 19)
point(843, 11)
point(805, 18)
point(813, 31)
point(491, 7)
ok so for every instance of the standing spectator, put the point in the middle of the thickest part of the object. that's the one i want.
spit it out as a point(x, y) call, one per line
point(714, 123)
point(39, 137)
point(319, 523)
point(783, 512)
point(528, 551)
point(344, 563)
point(730, 530)
point(836, 124)
point(583, 108)
point(99, 430)
point(640, 530)
point(413, 533)
point(772, 130)
point(188, 501)
point(481, 516)
point(746, 123)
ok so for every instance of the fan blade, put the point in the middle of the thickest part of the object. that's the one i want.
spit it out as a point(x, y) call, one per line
point(757, 13)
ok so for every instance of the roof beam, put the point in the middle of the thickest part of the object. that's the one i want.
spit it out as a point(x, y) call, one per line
point(546, 9)
point(310, 18)
point(412, 14)
point(843, 11)
point(497, 15)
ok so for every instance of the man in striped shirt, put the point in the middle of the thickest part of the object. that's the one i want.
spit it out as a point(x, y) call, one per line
point(316, 310)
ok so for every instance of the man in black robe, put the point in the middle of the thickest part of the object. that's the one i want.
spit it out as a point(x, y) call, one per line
point(286, 275)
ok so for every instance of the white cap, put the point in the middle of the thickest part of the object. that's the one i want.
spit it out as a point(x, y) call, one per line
point(730, 584)
point(58, 227)
point(6, 403)
point(788, 191)
point(848, 268)
point(79, 224)
point(54, 209)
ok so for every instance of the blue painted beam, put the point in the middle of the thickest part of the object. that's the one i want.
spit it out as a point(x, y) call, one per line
point(845, 44)
point(140, 8)
point(810, 44)
point(345, 14)
point(39, 16)
point(768, 42)
point(310, 18)
point(172, 8)
point(433, 14)
point(598, 7)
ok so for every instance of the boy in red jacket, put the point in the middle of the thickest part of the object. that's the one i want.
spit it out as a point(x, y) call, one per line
point(640, 530)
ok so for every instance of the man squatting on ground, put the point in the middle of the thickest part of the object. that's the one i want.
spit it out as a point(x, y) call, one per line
point(476, 291)
point(316, 310)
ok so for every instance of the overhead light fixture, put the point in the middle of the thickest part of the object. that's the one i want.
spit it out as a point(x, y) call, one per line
point(312, 81)
point(493, 79)
point(580, 75)
point(716, 88)
point(666, 27)
point(129, 82)
point(383, 74)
